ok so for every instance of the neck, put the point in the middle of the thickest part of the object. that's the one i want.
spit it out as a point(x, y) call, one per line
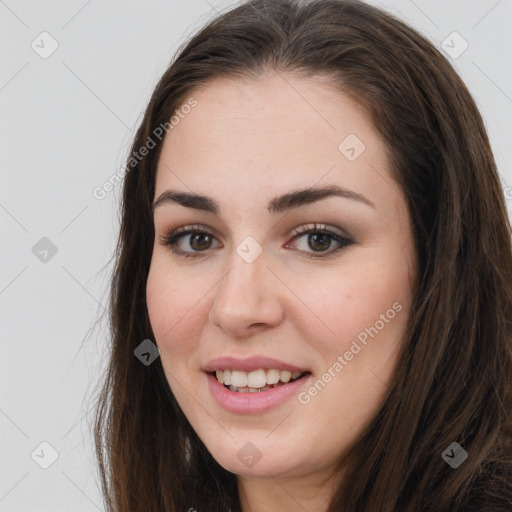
point(264, 494)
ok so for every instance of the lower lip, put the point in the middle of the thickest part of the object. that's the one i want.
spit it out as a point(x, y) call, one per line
point(247, 403)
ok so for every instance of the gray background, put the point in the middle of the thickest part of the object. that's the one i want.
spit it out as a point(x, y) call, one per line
point(66, 124)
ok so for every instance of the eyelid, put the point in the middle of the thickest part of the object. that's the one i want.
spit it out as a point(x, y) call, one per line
point(296, 231)
point(318, 226)
point(192, 228)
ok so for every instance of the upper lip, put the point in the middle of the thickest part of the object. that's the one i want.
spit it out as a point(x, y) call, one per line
point(249, 364)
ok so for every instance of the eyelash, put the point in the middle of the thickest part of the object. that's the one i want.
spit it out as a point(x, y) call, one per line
point(172, 238)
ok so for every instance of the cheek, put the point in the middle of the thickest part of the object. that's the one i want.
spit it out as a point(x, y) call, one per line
point(366, 307)
point(172, 307)
point(342, 304)
point(174, 323)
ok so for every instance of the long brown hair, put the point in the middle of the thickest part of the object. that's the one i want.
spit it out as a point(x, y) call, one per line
point(453, 381)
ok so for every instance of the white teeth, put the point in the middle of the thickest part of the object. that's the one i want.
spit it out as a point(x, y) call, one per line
point(239, 379)
point(285, 376)
point(255, 380)
point(273, 376)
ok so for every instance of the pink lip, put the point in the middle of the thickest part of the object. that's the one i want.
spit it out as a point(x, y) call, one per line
point(249, 364)
point(253, 403)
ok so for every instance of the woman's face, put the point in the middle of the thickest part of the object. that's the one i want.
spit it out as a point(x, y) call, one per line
point(257, 293)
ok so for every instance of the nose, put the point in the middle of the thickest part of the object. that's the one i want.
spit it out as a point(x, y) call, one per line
point(247, 298)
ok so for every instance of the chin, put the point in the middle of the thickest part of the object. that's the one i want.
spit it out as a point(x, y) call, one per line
point(260, 458)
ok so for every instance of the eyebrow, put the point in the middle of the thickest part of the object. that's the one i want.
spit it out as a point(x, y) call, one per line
point(279, 204)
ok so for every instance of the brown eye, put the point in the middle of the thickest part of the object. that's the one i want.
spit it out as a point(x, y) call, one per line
point(189, 243)
point(317, 241)
point(200, 241)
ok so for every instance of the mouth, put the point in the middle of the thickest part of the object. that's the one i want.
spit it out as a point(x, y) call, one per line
point(256, 381)
point(254, 385)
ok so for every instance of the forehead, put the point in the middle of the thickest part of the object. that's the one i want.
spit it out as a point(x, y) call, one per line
point(256, 133)
point(271, 105)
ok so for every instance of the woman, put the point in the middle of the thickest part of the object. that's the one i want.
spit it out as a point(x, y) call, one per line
point(315, 238)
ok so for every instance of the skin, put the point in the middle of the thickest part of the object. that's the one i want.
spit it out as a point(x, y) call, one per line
point(244, 143)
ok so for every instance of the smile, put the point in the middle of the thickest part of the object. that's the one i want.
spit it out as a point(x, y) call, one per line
point(255, 381)
point(247, 400)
